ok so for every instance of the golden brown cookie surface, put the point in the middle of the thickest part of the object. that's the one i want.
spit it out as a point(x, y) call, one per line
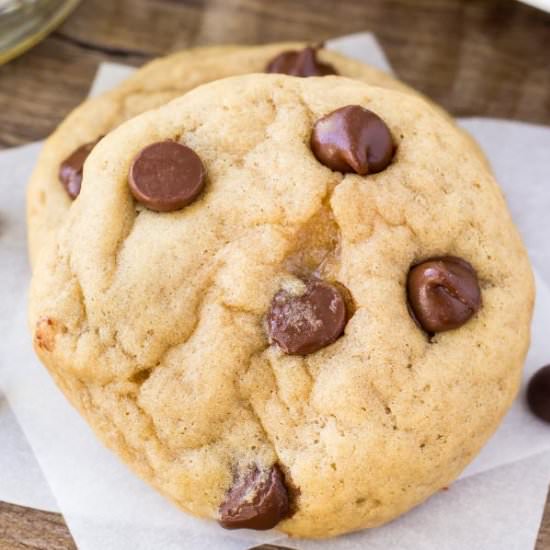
point(156, 325)
point(51, 193)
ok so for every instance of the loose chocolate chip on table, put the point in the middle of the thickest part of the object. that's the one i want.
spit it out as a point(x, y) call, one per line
point(258, 501)
point(166, 176)
point(443, 293)
point(70, 170)
point(538, 393)
point(353, 139)
point(300, 63)
point(303, 324)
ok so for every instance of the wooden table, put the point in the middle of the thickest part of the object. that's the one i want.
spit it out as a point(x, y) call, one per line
point(482, 57)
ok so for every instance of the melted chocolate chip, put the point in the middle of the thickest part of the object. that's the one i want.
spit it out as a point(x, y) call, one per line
point(303, 324)
point(167, 176)
point(70, 170)
point(353, 139)
point(443, 293)
point(538, 393)
point(258, 501)
point(300, 63)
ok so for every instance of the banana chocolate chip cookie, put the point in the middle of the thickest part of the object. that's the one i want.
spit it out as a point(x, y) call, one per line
point(56, 179)
point(288, 302)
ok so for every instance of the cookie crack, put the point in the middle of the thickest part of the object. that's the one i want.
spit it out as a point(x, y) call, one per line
point(130, 356)
point(106, 419)
point(197, 317)
point(278, 393)
point(121, 241)
point(247, 403)
point(251, 409)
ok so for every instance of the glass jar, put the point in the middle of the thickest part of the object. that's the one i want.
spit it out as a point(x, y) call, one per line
point(23, 23)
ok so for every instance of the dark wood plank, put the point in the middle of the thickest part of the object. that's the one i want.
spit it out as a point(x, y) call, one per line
point(543, 540)
point(27, 529)
point(488, 57)
point(39, 89)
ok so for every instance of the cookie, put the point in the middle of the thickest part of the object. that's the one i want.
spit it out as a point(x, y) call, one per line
point(55, 182)
point(317, 340)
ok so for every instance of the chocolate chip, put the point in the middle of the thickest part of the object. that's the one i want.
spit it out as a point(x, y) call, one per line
point(70, 170)
point(443, 293)
point(258, 501)
point(300, 63)
point(167, 176)
point(353, 139)
point(538, 393)
point(303, 324)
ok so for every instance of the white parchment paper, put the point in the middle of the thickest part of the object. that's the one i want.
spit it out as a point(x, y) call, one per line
point(21, 481)
point(497, 503)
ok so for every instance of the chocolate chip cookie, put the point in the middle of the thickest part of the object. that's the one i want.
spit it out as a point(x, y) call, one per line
point(288, 302)
point(57, 177)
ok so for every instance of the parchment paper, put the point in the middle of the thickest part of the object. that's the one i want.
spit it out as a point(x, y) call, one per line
point(21, 482)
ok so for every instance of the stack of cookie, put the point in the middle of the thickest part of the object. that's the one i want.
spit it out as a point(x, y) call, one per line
point(284, 301)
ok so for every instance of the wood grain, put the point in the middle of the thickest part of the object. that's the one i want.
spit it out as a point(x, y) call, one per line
point(543, 539)
point(488, 57)
point(483, 57)
point(24, 529)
